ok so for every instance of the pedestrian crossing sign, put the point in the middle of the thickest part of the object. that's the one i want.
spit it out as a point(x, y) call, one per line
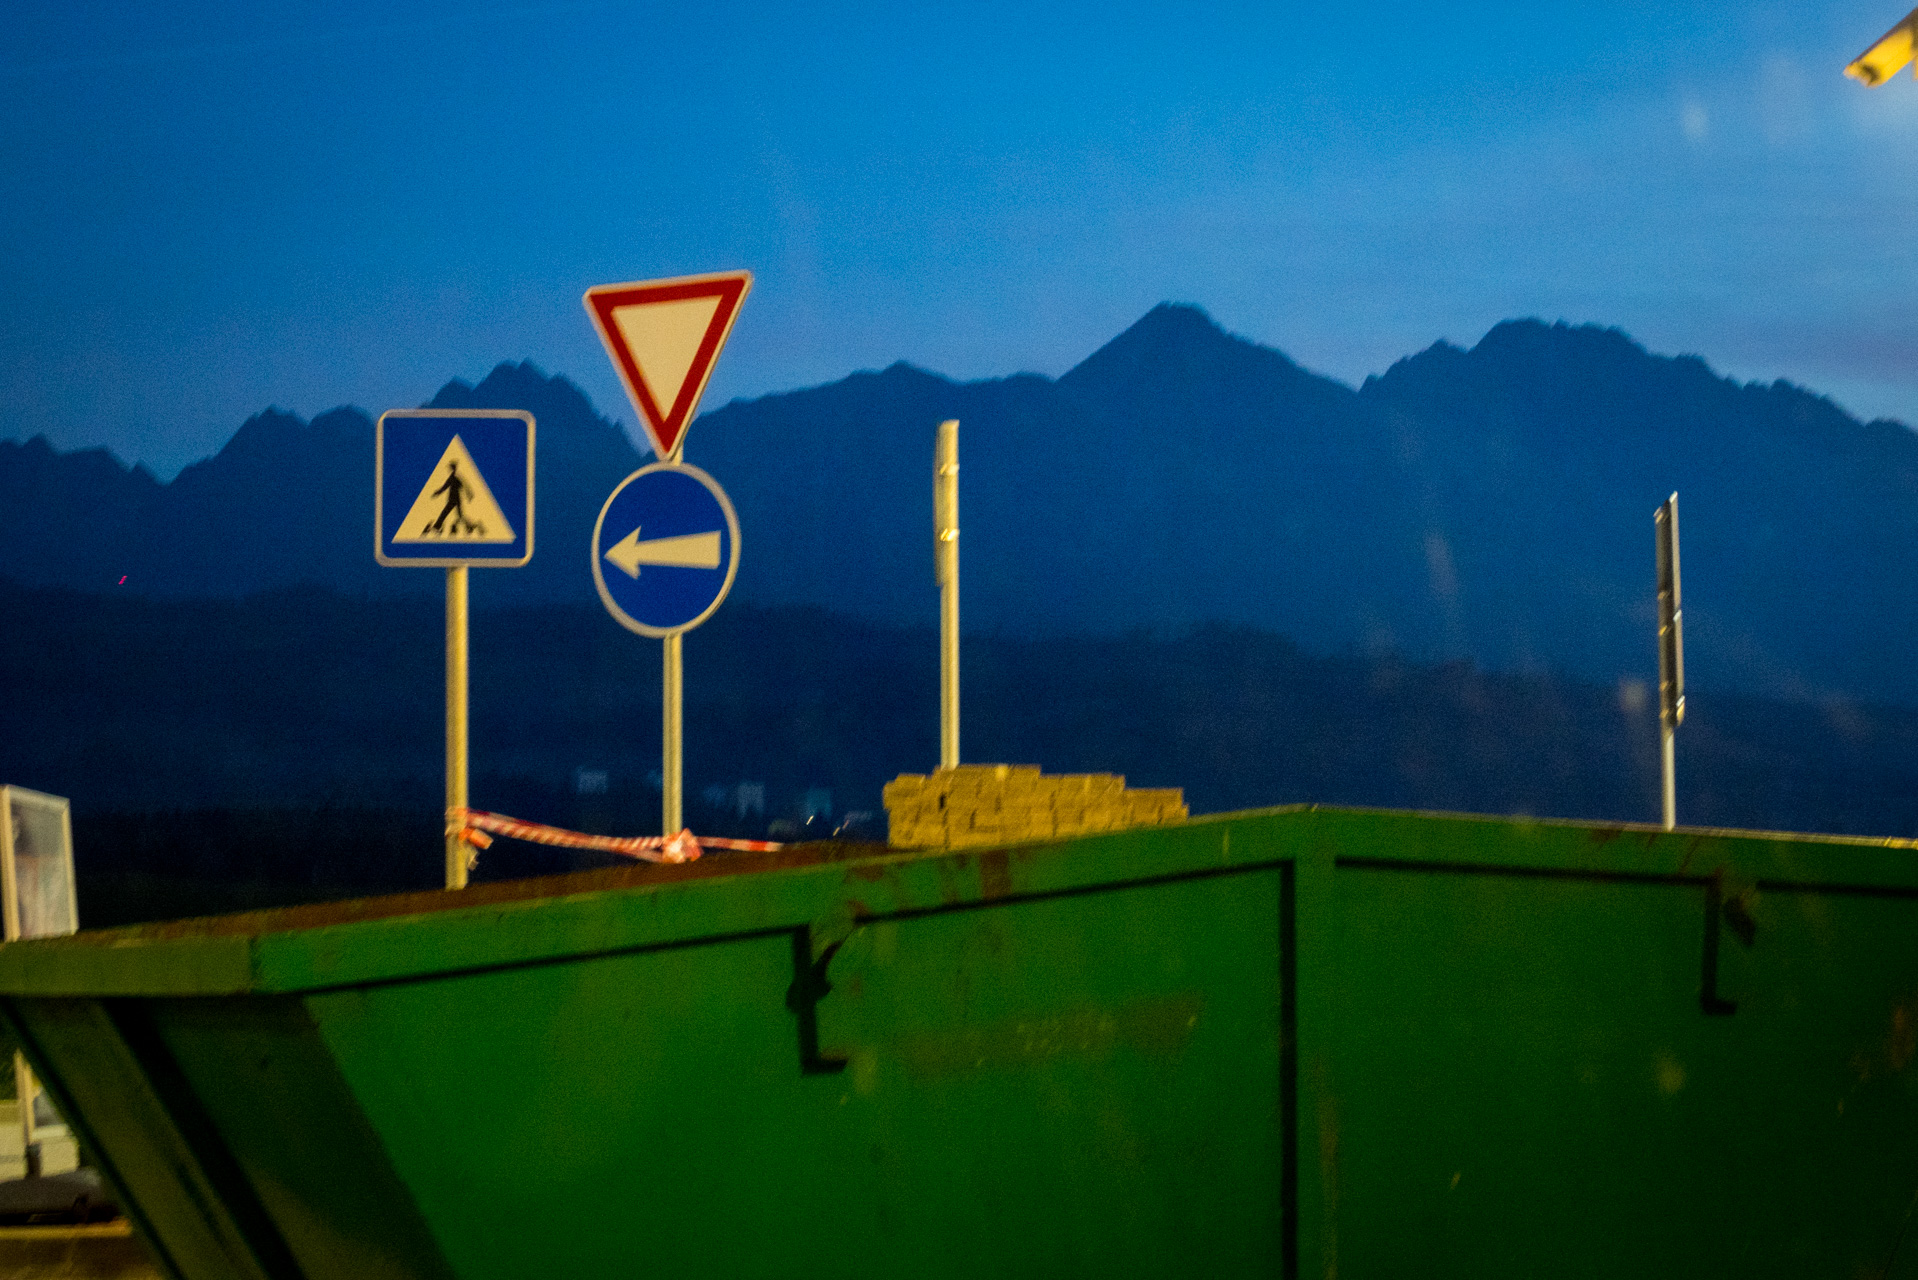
point(453, 487)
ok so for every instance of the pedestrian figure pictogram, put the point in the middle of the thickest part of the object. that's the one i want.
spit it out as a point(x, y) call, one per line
point(454, 489)
point(454, 505)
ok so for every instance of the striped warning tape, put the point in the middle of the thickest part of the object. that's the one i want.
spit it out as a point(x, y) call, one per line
point(472, 826)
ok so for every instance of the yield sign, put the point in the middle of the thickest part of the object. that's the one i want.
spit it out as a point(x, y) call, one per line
point(664, 336)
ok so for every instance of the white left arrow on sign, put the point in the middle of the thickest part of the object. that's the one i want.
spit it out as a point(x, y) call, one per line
point(688, 551)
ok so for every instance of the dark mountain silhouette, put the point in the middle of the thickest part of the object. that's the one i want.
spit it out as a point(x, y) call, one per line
point(283, 502)
point(1177, 476)
point(1537, 458)
point(287, 503)
point(72, 518)
point(1491, 504)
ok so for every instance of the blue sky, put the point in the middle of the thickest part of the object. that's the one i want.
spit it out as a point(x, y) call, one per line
point(211, 207)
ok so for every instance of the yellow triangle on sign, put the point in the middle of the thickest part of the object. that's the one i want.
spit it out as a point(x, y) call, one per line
point(664, 339)
point(454, 504)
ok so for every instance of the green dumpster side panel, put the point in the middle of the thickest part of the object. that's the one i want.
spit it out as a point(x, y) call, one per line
point(1069, 1088)
point(1591, 1119)
point(1295, 1043)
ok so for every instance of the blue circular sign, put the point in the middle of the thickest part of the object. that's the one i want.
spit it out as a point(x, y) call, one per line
point(665, 549)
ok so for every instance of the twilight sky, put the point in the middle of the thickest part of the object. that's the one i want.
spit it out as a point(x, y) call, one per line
point(210, 206)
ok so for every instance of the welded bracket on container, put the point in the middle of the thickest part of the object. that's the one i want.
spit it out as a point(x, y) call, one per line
point(1735, 913)
point(809, 987)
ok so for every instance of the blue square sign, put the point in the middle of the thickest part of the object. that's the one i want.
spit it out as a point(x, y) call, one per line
point(453, 487)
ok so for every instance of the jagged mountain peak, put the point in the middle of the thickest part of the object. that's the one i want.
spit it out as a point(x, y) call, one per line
point(1583, 370)
point(1178, 345)
point(96, 464)
point(1532, 334)
point(265, 424)
point(1169, 329)
point(898, 374)
point(1177, 321)
point(38, 448)
point(349, 421)
point(270, 437)
point(553, 400)
point(902, 370)
point(898, 382)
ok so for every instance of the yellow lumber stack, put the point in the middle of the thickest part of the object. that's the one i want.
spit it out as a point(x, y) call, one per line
point(981, 804)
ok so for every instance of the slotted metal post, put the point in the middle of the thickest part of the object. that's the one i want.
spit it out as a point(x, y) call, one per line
point(1671, 655)
point(945, 519)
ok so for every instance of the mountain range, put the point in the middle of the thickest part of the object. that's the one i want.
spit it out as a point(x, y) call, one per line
point(1491, 504)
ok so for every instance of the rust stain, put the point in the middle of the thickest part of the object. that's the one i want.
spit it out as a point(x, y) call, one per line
point(1895, 1052)
point(1903, 1038)
point(995, 875)
point(1605, 835)
point(869, 873)
point(948, 882)
point(1690, 849)
point(1156, 1028)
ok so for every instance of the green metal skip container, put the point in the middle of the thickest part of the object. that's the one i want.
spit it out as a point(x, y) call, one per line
point(1301, 1042)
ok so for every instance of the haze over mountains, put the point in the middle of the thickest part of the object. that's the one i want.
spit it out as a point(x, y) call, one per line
point(1492, 504)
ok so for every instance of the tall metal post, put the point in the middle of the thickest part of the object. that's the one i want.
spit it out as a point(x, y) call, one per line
point(945, 519)
point(458, 855)
point(1671, 654)
point(672, 737)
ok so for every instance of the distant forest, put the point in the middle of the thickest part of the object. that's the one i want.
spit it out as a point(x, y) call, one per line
point(288, 746)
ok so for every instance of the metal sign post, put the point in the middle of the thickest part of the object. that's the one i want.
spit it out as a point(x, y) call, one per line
point(454, 488)
point(459, 858)
point(664, 336)
point(665, 551)
point(945, 550)
point(672, 735)
point(1671, 655)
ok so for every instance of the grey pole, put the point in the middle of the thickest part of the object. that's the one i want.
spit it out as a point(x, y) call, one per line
point(1671, 654)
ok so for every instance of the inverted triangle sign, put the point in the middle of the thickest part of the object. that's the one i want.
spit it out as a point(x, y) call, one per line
point(664, 337)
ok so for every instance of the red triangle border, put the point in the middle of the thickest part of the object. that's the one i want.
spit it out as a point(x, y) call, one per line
point(666, 427)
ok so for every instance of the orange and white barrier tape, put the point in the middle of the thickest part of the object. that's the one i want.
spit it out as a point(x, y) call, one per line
point(472, 825)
